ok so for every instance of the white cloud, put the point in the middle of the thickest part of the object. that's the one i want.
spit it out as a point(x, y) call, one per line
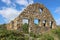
point(20, 2)
point(24, 2)
point(9, 13)
point(25, 21)
point(58, 21)
point(6, 1)
point(9, 3)
point(57, 10)
point(31, 1)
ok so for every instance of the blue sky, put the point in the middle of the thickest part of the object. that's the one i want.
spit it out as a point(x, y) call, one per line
point(10, 9)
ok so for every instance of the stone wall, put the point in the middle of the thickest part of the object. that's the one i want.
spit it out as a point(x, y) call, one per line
point(34, 11)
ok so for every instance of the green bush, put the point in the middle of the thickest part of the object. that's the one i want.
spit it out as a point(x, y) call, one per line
point(48, 37)
point(34, 35)
point(17, 35)
point(25, 28)
point(11, 35)
point(56, 32)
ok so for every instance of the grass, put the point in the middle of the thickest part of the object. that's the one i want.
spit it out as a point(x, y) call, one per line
point(53, 34)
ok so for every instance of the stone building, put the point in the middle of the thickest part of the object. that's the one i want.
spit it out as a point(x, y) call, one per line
point(34, 12)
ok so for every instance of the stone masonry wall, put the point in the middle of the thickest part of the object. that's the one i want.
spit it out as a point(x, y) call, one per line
point(34, 11)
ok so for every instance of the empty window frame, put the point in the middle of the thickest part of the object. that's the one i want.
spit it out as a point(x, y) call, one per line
point(36, 21)
point(51, 23)
point(44, 23)
point(40, 11)
point(25, 21)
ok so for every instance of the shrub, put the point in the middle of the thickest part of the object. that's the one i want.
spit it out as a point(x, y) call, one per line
point(25, 28)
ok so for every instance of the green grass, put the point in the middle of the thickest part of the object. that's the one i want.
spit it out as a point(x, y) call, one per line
point(53, 34)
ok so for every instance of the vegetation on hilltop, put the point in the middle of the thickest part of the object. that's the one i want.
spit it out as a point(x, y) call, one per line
point(53, 34)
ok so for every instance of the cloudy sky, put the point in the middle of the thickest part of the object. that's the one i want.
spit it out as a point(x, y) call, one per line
point(10, 9)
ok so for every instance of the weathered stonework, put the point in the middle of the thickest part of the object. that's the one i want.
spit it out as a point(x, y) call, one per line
point(33, 12)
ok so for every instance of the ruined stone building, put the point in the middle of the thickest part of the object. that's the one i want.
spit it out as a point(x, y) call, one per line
point(38, 12)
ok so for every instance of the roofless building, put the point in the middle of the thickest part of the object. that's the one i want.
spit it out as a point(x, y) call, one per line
point(37, 16)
